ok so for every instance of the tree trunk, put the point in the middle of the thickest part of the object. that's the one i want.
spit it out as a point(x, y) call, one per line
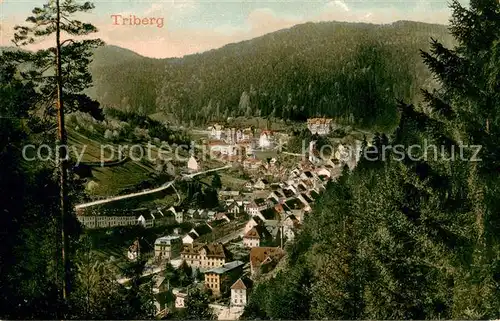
point(62, 154)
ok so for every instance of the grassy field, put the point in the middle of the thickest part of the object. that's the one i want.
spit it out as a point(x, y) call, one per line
point(90, 148)
point(108, 181)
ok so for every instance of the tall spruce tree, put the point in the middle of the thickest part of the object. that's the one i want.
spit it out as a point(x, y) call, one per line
point(61, 74)
point(467, 109)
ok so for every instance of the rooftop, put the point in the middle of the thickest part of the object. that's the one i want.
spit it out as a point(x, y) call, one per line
point(257, 232)
point(270, 214)
point(166, 239)
point(226, 267)
point(212, 249)
point(242, 284)
point(261, 254)
point(319, 121)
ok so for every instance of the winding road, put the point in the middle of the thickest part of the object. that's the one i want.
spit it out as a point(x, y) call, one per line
point(146, 192)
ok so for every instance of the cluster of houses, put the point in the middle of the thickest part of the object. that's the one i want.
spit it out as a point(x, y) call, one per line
point(222, 275)
point(274, 214)
point(230, 135)
point(274, 218)
point(233, 144)
point(321, 126)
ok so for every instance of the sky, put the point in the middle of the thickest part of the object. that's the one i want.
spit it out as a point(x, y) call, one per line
point(179, 27)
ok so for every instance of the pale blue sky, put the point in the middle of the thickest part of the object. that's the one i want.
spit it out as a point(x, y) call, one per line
point(197, 25)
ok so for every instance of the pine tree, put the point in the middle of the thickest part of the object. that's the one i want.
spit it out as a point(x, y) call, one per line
point(466, 109)
point(64, 86)
point(216, 181)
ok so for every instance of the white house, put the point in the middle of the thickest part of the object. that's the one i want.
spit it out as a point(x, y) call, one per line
point(179, 216)
point(240, 291)
point(278, 196)
point(253, 208)
point(167, 247)
point(252, 163)
point(252, 222)
point(291, 225)
point(193, 164)
point(231, 134)
point(147, 220)
point(170, 168)
point(256, 236)
point(295, 173)
point(189, 238)
point(322, 171)
point(158, 283)
point(314, 156)
point(265, 139)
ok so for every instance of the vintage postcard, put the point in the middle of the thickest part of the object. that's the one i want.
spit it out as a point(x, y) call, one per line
point(249, 159)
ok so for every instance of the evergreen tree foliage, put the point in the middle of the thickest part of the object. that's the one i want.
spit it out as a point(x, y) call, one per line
point(216, 181)
point(415, 238)
point(197, 306)
point(39, 66)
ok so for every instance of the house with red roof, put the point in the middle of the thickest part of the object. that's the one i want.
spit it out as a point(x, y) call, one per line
point(264, 259)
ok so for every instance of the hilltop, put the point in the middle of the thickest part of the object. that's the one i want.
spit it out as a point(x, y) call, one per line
point(354, 71)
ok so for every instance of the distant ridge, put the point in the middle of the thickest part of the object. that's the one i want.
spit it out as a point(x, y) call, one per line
point(354, 71)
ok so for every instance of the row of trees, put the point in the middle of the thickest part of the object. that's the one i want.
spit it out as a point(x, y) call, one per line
point(416, 238)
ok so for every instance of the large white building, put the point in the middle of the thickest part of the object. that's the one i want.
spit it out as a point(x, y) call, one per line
point(265, 139)
point(92, 221)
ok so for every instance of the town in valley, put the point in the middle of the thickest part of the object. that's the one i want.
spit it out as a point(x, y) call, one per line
point(262, 195)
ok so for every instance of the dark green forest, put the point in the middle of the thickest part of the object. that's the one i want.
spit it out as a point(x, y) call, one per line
point(354, 72)
point(414, 234)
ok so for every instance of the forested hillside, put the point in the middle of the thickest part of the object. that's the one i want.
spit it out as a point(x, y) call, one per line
point(415, 234)
point(353, 71)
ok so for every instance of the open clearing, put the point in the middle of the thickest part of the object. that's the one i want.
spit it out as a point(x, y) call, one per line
point(109, 181)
